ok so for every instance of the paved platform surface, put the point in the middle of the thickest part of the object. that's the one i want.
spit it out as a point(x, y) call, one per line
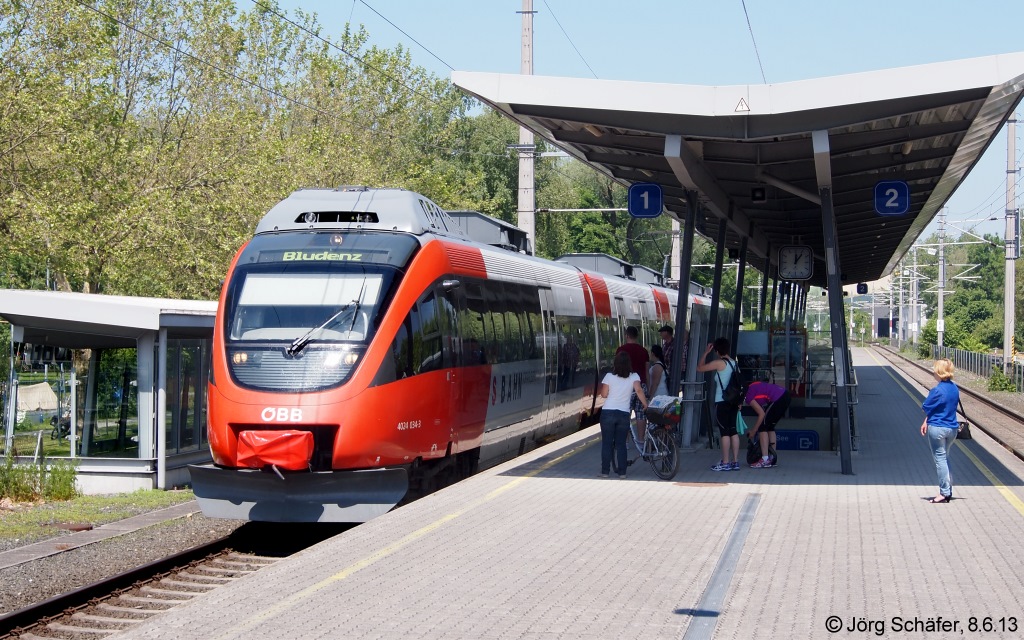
point(543, 548)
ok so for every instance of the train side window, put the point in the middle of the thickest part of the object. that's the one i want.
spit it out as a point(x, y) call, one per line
point(427, 338)
point(473, 320)
point(447, 317)
point(529, 305)
point(401, 349)
point(496, 347)
point(515, 346)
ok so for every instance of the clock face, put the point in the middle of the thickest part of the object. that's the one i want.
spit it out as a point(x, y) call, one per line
point(795, 262)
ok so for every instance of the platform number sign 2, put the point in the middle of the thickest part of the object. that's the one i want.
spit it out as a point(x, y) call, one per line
point(892, 198)
point(645, 200)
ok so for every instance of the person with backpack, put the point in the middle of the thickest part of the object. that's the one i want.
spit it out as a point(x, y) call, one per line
point(728, 398)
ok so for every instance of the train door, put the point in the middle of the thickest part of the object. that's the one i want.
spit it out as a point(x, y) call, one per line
point(648, 334)
point(450, 302)
point(621, 318)
point(550, 342)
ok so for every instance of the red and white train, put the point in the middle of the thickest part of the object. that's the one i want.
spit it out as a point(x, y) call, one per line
point(365, 347)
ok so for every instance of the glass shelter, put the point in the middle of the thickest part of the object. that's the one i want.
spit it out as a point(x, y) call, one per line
point(117, 383)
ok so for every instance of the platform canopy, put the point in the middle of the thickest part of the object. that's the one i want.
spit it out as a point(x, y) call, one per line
point(747, 149)
point(95, 321)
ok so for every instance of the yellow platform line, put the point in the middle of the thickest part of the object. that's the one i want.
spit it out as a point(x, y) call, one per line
point(1010, 496)
point(399, 544)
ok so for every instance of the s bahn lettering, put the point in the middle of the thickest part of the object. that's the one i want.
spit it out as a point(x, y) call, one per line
point(506, 388)
point(410, 424)
point(314, 256)
point(281, 414)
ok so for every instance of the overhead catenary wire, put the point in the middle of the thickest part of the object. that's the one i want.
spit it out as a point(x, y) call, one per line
point(436, 57)
point(558, 22)
point(751, 29)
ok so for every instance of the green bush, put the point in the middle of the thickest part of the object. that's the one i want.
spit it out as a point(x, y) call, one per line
point(59, 483)
point(999, 382)
point(27, 482)
point(18, 482)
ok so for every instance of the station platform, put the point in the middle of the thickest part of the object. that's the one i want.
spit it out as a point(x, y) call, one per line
point(543, 548)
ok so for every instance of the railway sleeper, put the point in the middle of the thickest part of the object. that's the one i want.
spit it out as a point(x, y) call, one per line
point(245, 557)
point(88, 617)
point(245, 566)
point(167, 601)
point(170, 582)
point(168, 592)
point(220, 571)
point(208, 579)
point(91, 631)
point(105, 606)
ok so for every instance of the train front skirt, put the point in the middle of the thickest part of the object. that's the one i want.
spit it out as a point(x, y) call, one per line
point(331, 496)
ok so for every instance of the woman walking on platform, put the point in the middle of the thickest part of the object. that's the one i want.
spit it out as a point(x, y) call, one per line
point(940, 424)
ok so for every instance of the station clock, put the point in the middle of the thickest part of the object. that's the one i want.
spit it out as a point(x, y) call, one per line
point(796, 262)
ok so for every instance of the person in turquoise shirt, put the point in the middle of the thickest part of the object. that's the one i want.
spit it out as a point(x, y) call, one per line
point(724, 368)
point(940, 424)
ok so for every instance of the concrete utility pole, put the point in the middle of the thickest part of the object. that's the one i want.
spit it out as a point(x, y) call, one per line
point(940, 322)
point(913, 300)
point(903, 312)
point(1009, 283)
point(527, 199)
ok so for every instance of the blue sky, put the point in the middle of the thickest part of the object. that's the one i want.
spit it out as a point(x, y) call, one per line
point(705, 43)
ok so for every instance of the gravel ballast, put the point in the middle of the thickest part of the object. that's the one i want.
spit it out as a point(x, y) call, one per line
point(34, 581)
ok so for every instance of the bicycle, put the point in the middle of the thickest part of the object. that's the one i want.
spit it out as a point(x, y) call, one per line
point(61, 428)
point(658, 448)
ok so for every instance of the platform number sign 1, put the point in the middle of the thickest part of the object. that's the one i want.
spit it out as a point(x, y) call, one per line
point(645, 200)
point(892, 198)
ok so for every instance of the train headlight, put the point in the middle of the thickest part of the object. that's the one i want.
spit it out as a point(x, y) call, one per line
point(240, 357)
point(339, 358)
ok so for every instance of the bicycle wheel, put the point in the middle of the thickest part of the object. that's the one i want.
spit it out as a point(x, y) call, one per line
point(665, 459)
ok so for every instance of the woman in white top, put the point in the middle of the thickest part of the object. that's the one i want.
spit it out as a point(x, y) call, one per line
point(618, 387)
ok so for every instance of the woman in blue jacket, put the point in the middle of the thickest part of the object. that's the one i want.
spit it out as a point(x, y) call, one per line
point(940, 424)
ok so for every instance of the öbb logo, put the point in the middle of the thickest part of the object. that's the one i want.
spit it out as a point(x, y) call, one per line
point(281, 414)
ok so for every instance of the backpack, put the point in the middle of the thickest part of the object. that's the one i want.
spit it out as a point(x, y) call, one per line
point(734, 392)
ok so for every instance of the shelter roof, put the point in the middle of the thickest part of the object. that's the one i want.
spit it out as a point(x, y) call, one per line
point(83, 320)
point(925, 125)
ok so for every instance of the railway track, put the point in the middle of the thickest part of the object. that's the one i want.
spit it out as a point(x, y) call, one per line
point(115, 604)
point(995, 418)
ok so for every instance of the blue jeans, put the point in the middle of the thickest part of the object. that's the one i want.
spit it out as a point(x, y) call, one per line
point(941, 439)
point(614, 431)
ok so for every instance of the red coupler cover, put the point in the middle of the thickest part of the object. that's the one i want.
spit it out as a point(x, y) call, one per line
point(289, 450)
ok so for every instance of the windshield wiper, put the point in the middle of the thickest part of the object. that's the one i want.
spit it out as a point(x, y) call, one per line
point(300, 343)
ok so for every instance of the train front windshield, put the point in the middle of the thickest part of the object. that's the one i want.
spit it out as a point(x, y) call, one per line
point(302, 308)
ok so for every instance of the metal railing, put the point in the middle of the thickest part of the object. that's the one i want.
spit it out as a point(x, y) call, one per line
point(852, 400)
point(980, 364)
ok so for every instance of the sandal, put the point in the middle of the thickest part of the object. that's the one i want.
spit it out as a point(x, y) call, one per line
point(941, 500)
